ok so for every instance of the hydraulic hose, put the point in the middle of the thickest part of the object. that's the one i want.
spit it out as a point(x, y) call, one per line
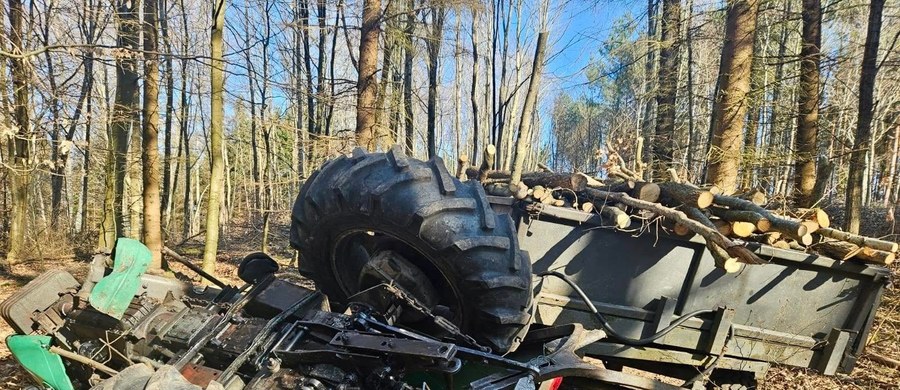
point(609, 329)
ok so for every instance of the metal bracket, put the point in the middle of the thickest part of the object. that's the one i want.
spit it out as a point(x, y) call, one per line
point(833, 352)
point(718, 334)
point(664, 312)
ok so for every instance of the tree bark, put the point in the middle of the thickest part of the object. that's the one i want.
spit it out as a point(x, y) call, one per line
point(524, 141)
point(863, 138)
point(184, 108)
point(21, 153)
point(433, 44)
point(731, 107)
point(125, 110)
point(808, 105)
point(216, 137)
point(408, 57)
point(646, 130)
point(664, 141)
point(152, 229)
point(167, 181)
point(367, 85)
point(473, 96)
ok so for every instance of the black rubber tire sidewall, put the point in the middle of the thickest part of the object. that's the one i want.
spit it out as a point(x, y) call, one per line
point(448, 222)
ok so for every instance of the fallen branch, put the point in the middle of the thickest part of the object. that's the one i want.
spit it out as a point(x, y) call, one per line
point(677, 194)
point(841, 250)
point(873, 243)
point(792, 229)
point(710, 234)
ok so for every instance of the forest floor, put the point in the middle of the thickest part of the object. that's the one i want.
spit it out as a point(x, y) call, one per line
point(241, 240)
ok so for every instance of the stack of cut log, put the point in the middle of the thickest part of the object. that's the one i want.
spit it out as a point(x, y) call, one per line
point(726, 222)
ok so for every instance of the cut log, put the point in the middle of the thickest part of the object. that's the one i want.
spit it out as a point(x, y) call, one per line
point(645, 191)
point(587, 207)
point(723, 258)
point(842, 250)
point(614, 215)
point(742, 229)
point(539, 192)
point(676, 194)
point(698, 222)
point(754, 196)
point(792, 229)
point(681, 230)
point(769, 238)
point(759, 222)
point(873, 243)
point(723, 227)
point(816, 215)
point(617, 186)
point(811, 226)
point(572, 181)
point(518, 190)
point(461, 165)
point(589, 181)
point(487, 163)
point(497, 189)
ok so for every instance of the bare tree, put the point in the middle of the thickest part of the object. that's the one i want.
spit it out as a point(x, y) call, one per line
point(522, 144)
point(863, 138)
point(808, 105)
point(367, 85)
point(20, 152)
point(433, 44)
point(731, 102)
point(152, 228)
point(216, 137)
point(124, 113)
point(664, 139)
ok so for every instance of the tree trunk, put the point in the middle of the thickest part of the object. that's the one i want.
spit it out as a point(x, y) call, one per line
point(152, 230)
point(664, 141)
point(408, 57)
point(367, 85)
point(433, 44)
point(646, 130)
point(757, 85)
point(167, 181)
point(808, 105)
point(187, 214)
point(474, 87)
point(731, 107)
point(216, 136)
point(20, 150)
point(892, 169)
point(125, 111)
point(524, 141)
point(83, 213)
point(689, 42)
point(863, 138)
point(459, 148)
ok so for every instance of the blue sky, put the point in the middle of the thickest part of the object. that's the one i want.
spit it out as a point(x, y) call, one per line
point(579, 31)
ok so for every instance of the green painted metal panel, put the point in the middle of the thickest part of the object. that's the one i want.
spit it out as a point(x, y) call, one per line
point(114, 292)
point(32, 352)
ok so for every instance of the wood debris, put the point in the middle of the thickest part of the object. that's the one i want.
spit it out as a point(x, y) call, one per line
point(726, 222)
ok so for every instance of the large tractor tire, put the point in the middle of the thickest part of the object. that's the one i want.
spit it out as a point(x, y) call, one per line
point(355, 208)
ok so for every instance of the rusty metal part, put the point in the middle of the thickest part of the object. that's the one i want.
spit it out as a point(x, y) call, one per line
point(200, 375)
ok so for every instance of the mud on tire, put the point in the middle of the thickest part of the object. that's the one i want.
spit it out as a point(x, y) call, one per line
point(447, 228)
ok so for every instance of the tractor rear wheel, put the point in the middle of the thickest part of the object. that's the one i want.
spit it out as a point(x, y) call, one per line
point(356, 209)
